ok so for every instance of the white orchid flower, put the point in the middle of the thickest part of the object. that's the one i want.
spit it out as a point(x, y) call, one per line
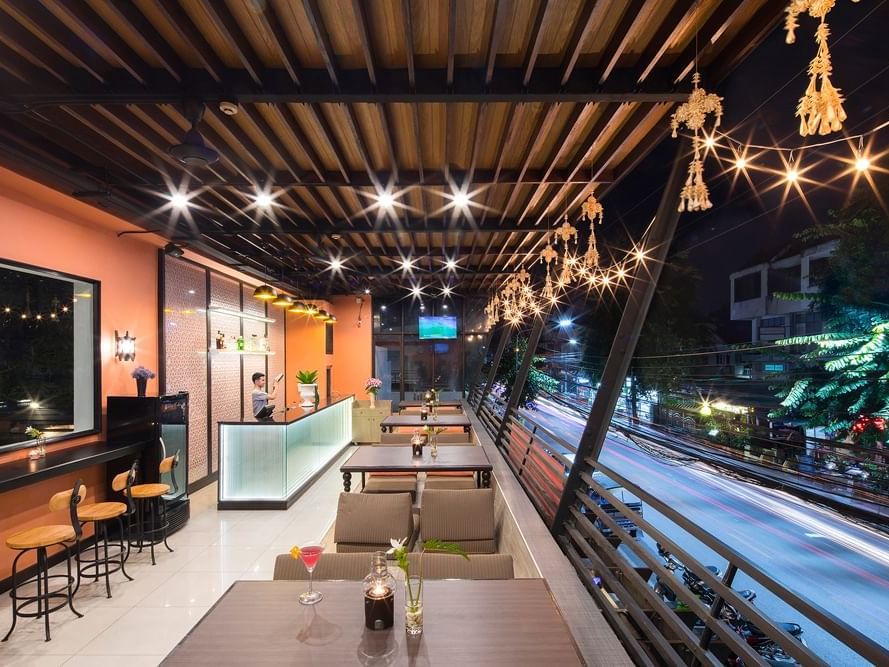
point(396, 545)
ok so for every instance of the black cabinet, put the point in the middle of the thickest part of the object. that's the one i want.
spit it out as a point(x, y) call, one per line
point(161, 423)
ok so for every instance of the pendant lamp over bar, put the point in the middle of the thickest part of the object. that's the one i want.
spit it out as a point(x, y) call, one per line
point(283, 301)
point(265, 292)
point(298, 308)
point(323, 315)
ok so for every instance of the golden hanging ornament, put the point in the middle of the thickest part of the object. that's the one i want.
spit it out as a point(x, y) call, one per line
point(548, 255)
point(693, 114)
point(566, 232)
point(819, 110)
point(592, 211)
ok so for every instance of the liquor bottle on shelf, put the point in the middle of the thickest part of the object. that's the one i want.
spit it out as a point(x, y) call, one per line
point(240, 344)
point(220, 340)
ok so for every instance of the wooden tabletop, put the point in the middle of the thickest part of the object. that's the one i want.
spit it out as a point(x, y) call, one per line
point(401, 421)
point(368, 458)
point(419, 404)
point(506, 622)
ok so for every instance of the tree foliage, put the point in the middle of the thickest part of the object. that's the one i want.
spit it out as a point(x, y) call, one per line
point(845, 368)
point(537, 381)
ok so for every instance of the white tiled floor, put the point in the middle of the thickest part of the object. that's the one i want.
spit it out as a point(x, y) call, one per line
point(147, 617)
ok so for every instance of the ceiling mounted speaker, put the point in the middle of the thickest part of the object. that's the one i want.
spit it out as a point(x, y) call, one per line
point(193, 151)
point(173, 250)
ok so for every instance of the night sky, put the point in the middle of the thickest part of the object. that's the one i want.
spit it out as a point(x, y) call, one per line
point(760, 99)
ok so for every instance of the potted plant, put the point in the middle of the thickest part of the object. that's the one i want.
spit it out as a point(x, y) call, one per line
point(371, 387)
point(39, 440)
point(307, 387)
point(142, 375)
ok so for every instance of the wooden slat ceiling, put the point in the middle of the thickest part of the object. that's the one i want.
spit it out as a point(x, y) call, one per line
point(527, 105)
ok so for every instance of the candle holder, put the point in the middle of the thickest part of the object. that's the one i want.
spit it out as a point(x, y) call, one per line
point(379, 595)
point(417, 445)
point(424, 413)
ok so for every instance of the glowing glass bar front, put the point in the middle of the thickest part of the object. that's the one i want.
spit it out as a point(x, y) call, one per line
point(268, 464)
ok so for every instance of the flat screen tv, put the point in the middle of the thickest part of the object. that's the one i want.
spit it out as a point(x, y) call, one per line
point(438, 327)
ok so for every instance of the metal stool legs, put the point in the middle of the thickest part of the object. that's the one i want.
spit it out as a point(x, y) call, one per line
point(43, 595)
point(105, 564)
point(153, 528)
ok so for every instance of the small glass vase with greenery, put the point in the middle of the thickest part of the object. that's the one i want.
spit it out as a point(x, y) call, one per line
point(413, 583)
point(39, 440)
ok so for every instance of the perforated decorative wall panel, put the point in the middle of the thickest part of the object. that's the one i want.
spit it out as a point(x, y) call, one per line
point(254, 332)
point(185, 353)
point(277, 343)
point(225, 366)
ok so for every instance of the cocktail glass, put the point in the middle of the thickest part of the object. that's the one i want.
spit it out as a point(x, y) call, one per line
point(309, 555)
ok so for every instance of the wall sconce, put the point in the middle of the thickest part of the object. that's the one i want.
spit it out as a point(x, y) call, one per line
point(124, 346)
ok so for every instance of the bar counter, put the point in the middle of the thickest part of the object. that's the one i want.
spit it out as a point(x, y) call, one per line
point(268, 464)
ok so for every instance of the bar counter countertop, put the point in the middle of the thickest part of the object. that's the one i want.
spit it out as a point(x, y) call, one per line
point(290, 414)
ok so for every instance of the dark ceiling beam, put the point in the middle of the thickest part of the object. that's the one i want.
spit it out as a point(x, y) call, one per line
point(392, 86)
point(724, 15)
point(539, 136)
point(78, 12)
point(406, 179)
point(620, 39)
point(19, 67)
point(17, 38)
point(494, 41)
point(436, 225)
point(578, 36)
point(152, 40)
point(677, 19)
point(226, 25)
point(536, 34)
point(313, 13)
point(271, 23)
point(388, 140)
point(361, 22)
point(185, 28)
point(408, 24)
point(41, 22)
point(452, 41)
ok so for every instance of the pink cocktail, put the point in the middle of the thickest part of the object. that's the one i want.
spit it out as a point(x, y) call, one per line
point(309, 555)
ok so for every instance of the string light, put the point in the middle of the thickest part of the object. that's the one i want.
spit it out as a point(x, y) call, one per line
point(740, 163)
point(862, 163)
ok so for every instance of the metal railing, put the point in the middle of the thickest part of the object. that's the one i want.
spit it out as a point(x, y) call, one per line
point(713, 627)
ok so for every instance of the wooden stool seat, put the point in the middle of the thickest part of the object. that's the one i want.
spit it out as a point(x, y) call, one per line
point(150, 490)
point(40, 536)
point(101, 511)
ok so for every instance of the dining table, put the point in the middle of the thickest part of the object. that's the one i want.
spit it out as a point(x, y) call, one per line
point(508, 622)
point(415, 420)
point(370, 459)
point(419, 404)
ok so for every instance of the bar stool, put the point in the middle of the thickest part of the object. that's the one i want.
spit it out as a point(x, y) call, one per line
point(100, 514)
point(41, 538)
point(150, 498)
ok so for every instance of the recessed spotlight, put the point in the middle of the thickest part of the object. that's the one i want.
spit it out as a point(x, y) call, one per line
point(7, 309)
point(263, 199)
point(565, 322)
point(461, 200)
point(573, 341)
point(336, 264)
point(451, 264)
point(386, 200)
point(64, 309)
point(416, 290)
point(446, 291)
point(407, 263)
point(383, 307)
point(444, 306)
point(367, 290)
point(179, 200)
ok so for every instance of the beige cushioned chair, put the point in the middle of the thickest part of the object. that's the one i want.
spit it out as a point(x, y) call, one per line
point(351, 567)
point(449, 566)
point(462, 516)
point(365, 522)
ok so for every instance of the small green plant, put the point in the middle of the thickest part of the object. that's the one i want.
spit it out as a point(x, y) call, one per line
point(400, 551)
point(307, 377)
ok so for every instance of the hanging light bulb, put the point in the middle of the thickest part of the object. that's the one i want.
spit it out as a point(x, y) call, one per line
point(740, 163)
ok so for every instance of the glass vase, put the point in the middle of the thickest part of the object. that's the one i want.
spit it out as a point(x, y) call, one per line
point(413, 607)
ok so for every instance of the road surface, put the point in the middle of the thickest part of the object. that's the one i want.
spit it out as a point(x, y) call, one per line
point(834, 562)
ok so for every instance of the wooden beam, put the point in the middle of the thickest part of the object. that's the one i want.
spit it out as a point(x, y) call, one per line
point(452, 40)
point(364, 37)
point(17, 38)
point(271, 22)
point(226, 25)
point(578, 35)
point(313, 13)
point(409, 42)
point(620, 38)
point(79, 13)
point(185, 28)
point(677, 19)
point(494, 41)
point(535, 34)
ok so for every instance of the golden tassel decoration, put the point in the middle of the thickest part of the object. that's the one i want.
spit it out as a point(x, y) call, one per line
point(693, 114)
point(593, 211)
point(819, 110)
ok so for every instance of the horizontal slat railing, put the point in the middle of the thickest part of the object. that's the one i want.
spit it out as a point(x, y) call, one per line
point(597, 557)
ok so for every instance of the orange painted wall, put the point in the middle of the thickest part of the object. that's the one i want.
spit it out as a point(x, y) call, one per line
point(305, 351)
point(352, 345)
point(42, 227)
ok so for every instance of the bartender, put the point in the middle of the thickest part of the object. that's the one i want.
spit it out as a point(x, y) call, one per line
point(261, 398)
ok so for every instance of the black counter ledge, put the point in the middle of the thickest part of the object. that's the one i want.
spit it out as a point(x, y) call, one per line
point(22, 472)
point(293, 414)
